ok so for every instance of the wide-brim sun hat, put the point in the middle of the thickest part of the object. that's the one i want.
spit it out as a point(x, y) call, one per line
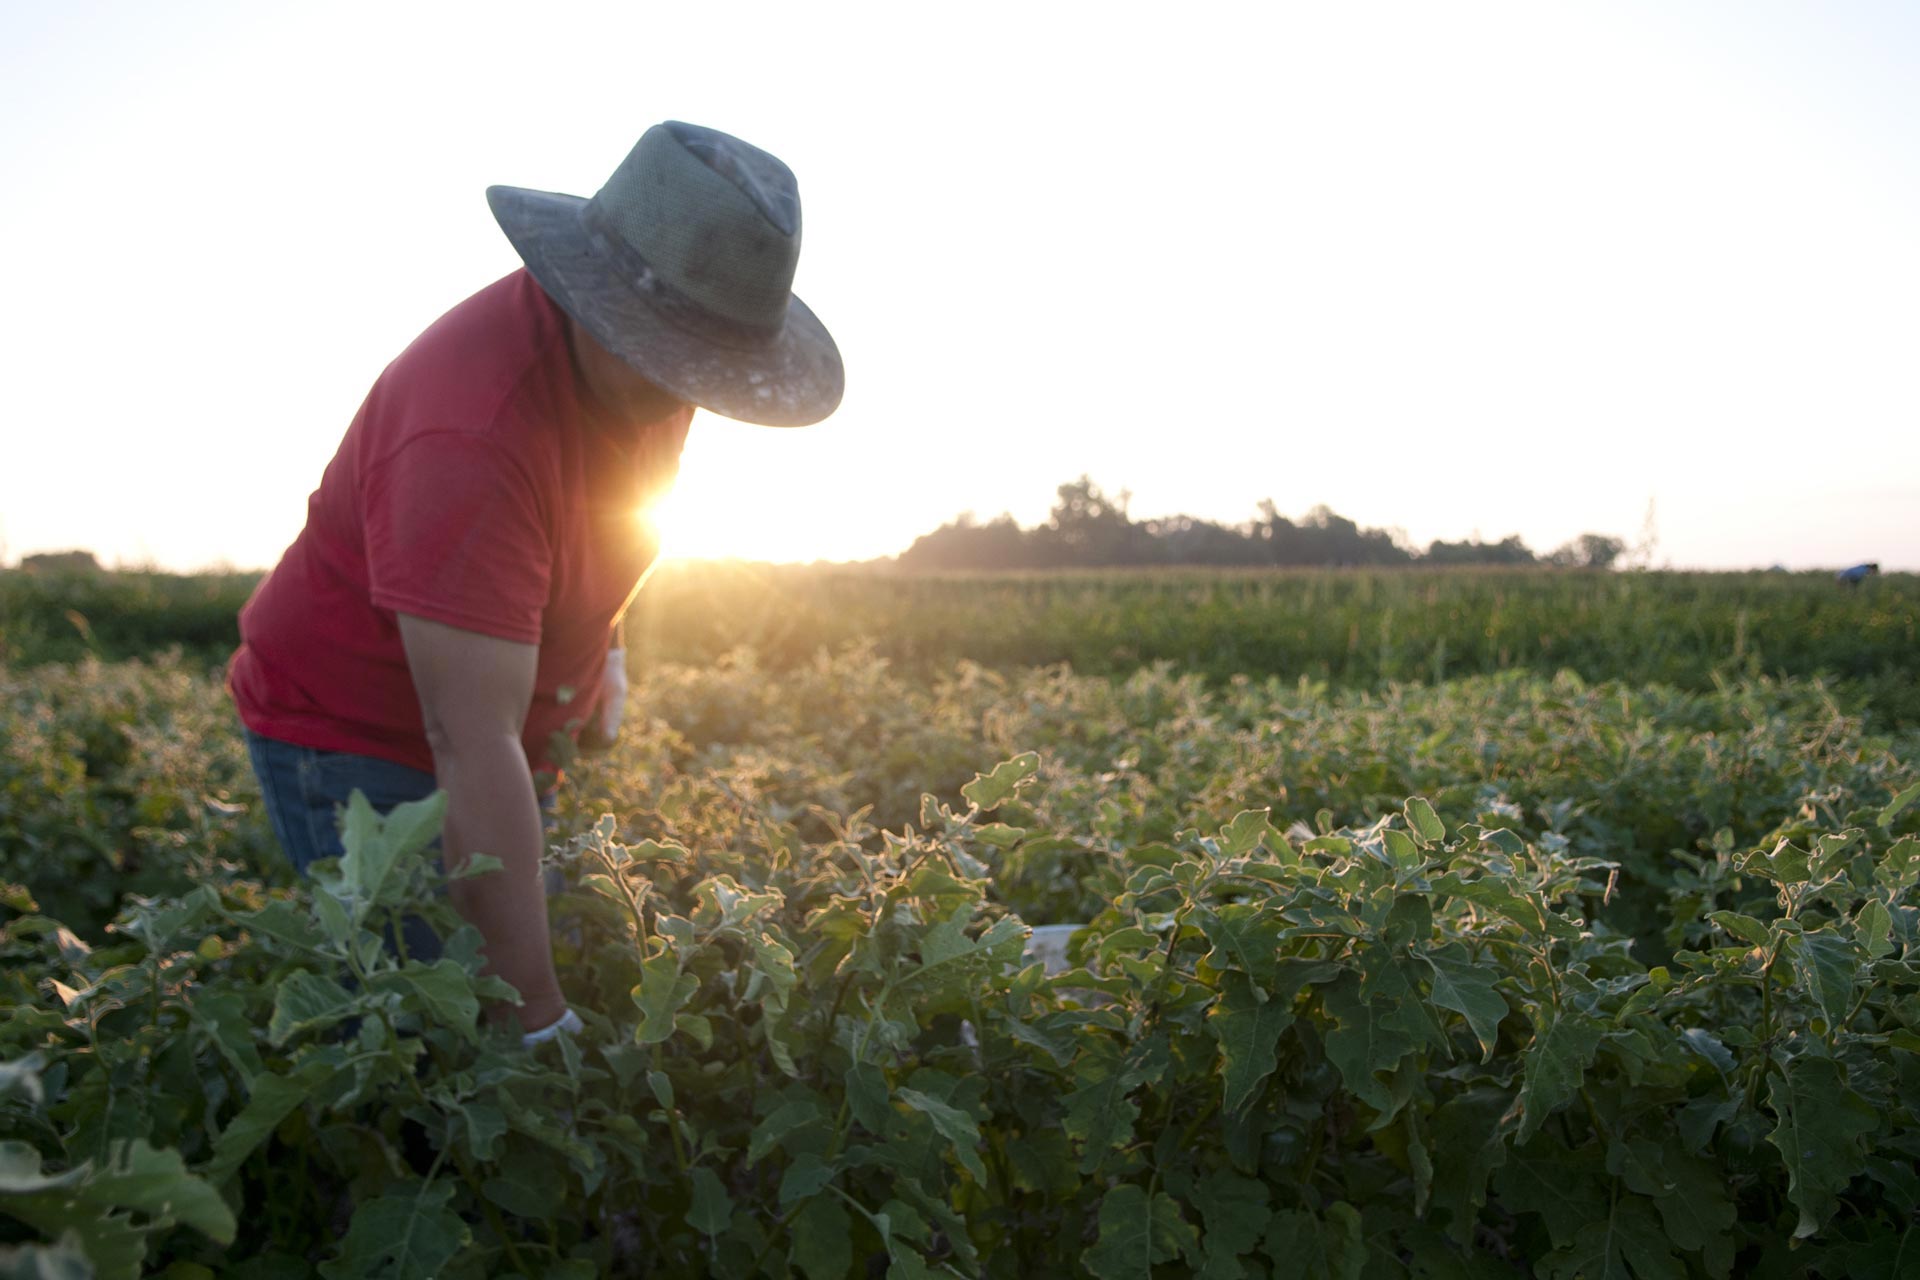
point(682, 266)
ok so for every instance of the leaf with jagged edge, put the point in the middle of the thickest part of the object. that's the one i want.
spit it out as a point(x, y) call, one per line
point(1899, 866)
point(1245, 833)
point(272, 1100)
point(92, 1201)
point(712, 1208)
point(1555, 1066)
point(1138, 1231)
point(443, 989)
point(989, 791)
point(1234, 1217)
point(1492, 893)
point(953, 1124)
point(1826, 965)
point(1467, 989)
point(822, 1239)
point(1689, 1191)
point(409, 1235)
point(1245, 936)
point(1873, 925)
point(660, 994)
point(376, 847)
point(1367, 1040)
point(1424, 821)
point(1899, 802)
point(1568, 1188)
point(1468, 1132)
point(1330, 1245)
point(1249, 1029)
point(1819, 1124)
point(305, 1001)
point(1099, 1113)
point(1627, 1244)
point(781, 1123)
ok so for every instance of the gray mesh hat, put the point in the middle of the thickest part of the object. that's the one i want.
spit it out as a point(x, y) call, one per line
point(682, 265)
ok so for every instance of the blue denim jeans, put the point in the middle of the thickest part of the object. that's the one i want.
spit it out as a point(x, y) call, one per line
point(305, 789)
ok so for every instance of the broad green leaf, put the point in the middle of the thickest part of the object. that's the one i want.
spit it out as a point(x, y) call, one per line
point(223, 1016)
point(1234, 1216)
point(1402, 848)
point(1331, 1245)
point(663, 990)
point(1627, 1244)
point(1249, 1031)
point(1367, 1040)
point(1555, 1065)
point(712, 1208)
point(1410, 921)
point(158, 1185)
point(1826, 965)
point(1043, 1162)
point(1900, 865)
point(823, 1239)
point(375, 847)
point(1820, 1123)
point(272, 1100)
point(306, 1001)
point(284, 922)
point(1874, 924)
point(1690, 1192)
point(528, 1188)
point(1900, 802)
point(955, 1125)
point(1569, 1189)
point(785, 1120)
point(443, 988)
point(1244, 834)
point(989, 791)
point(1468, 1145)
point(1099, 1113)
point(1136, 1232)
point(869, 1101)
point(1245, 936)
point(411, 1235)
point(1422, 818)
point(808, 1175)
point(1746, 928)
point(1493, 894)
point(1467, 988)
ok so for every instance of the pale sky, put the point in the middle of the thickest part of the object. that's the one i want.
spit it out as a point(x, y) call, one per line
point(1451, 268)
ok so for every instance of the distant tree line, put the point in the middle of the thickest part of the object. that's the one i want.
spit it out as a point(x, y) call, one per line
point(1088, 529)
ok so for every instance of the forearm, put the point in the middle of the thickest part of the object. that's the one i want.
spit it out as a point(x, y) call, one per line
point(492, 809)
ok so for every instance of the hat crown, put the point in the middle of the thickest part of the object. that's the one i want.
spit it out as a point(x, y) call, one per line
point(716, 219)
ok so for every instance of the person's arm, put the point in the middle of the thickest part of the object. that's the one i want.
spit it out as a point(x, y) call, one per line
point(474, 694)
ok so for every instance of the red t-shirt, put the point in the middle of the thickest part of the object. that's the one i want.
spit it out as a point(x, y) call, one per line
point(474, 488)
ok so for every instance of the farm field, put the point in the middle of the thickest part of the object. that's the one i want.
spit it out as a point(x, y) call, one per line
point(1351, 628)
point(1433, 925)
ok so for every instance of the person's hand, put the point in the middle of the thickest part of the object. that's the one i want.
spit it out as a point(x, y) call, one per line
point(568, 1022)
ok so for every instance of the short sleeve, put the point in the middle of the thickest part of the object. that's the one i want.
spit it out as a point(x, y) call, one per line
point(455, 533)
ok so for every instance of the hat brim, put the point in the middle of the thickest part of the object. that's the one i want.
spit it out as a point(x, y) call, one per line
point(795, 380)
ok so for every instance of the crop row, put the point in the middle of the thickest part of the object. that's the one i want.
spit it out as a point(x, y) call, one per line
point(1630, 991)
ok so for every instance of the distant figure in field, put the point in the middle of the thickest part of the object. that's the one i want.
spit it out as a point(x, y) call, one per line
point(1858, 574)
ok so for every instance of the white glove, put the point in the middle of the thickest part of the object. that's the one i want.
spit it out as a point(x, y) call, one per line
point(568, 1022)
point(613, 693)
